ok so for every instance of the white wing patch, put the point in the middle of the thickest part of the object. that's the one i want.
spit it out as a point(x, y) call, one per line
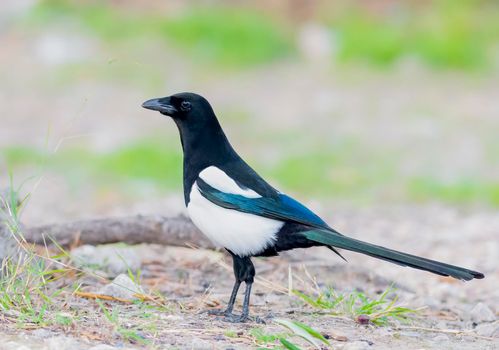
point(218, 179)
point(242, 233)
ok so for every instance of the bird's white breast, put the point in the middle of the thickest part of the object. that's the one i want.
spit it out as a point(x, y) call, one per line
point(242, 233)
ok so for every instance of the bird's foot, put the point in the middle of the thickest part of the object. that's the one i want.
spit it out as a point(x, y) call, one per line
point(236, 318)
point(232, 318)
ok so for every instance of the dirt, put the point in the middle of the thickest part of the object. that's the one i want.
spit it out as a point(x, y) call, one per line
point(196, 280)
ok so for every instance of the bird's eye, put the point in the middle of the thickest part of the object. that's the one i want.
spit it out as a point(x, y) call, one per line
point(185, 106)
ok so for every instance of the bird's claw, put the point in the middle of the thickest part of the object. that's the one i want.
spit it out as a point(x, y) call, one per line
point(231, 318)
point(228, 316)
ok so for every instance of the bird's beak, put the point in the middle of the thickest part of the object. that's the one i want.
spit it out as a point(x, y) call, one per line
point(161, 105)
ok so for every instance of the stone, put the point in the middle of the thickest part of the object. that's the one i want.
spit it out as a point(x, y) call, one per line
point(122, 287)
point(114, 259)
point(482, 313)
point(441, 338)
point(363, 319)
point(338, 336)
point(488, 330)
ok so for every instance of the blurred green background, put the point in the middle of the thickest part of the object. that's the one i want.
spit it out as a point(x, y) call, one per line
point(364, 102)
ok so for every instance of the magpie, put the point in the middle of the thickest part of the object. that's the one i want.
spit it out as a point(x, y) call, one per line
point(238, 210)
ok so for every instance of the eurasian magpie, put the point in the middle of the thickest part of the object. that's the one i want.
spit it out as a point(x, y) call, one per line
point(238, 210)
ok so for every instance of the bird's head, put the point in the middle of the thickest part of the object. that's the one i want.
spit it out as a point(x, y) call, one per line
point(196, 121)
point(184, 108)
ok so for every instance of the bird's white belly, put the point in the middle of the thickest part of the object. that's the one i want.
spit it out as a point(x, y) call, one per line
point(243, 234)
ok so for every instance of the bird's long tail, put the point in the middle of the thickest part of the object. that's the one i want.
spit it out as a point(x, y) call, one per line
point(334, 239)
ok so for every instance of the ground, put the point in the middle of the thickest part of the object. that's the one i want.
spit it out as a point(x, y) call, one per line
point(193, 280)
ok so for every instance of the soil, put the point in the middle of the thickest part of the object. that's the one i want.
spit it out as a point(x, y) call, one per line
point(194, 280)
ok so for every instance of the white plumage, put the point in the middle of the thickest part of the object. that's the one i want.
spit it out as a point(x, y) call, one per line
point(218, 179)
point(243, 234)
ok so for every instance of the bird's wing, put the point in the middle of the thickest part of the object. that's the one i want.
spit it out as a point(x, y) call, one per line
point(281, 207)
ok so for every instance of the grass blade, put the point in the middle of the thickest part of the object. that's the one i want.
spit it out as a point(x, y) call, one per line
point(288, 345)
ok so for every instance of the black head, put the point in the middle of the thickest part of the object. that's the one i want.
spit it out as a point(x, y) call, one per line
point(185, 108)
point(200, 132)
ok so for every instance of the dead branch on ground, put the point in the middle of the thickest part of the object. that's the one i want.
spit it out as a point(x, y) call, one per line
point(176, 231)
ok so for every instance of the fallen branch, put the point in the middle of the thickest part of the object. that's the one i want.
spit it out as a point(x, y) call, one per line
point(176, 231)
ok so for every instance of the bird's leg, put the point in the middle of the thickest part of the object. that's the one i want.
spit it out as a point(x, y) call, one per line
point(244, 271)
point(247, 293)
point(230, 305)
point(245, 313)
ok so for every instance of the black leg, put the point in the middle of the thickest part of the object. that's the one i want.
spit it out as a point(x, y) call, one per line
point(244, 271)
point(233, 296)
point(230, 306)
point(247, 294)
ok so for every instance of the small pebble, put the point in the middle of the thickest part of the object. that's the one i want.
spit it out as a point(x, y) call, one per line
point(363, 319)
point(488, 330)
point(336, 336)
point(441, 338)
point(122, 287)
point(482, 313)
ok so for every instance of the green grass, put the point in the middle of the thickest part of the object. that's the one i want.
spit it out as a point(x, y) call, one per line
point(460, 191)
point(130, 334)
point(330, 172)
point(36, 288)
point(340, 173)
point(227, 36)
point(142, 162)
point(360, 307)
point(261, 336)
point(283, 340)
point(445, 34)
point(456, 34)
point(26, 277)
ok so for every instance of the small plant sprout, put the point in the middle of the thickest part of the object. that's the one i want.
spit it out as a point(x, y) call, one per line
point(293, 329)
point(303, 331)
point(357, 305)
